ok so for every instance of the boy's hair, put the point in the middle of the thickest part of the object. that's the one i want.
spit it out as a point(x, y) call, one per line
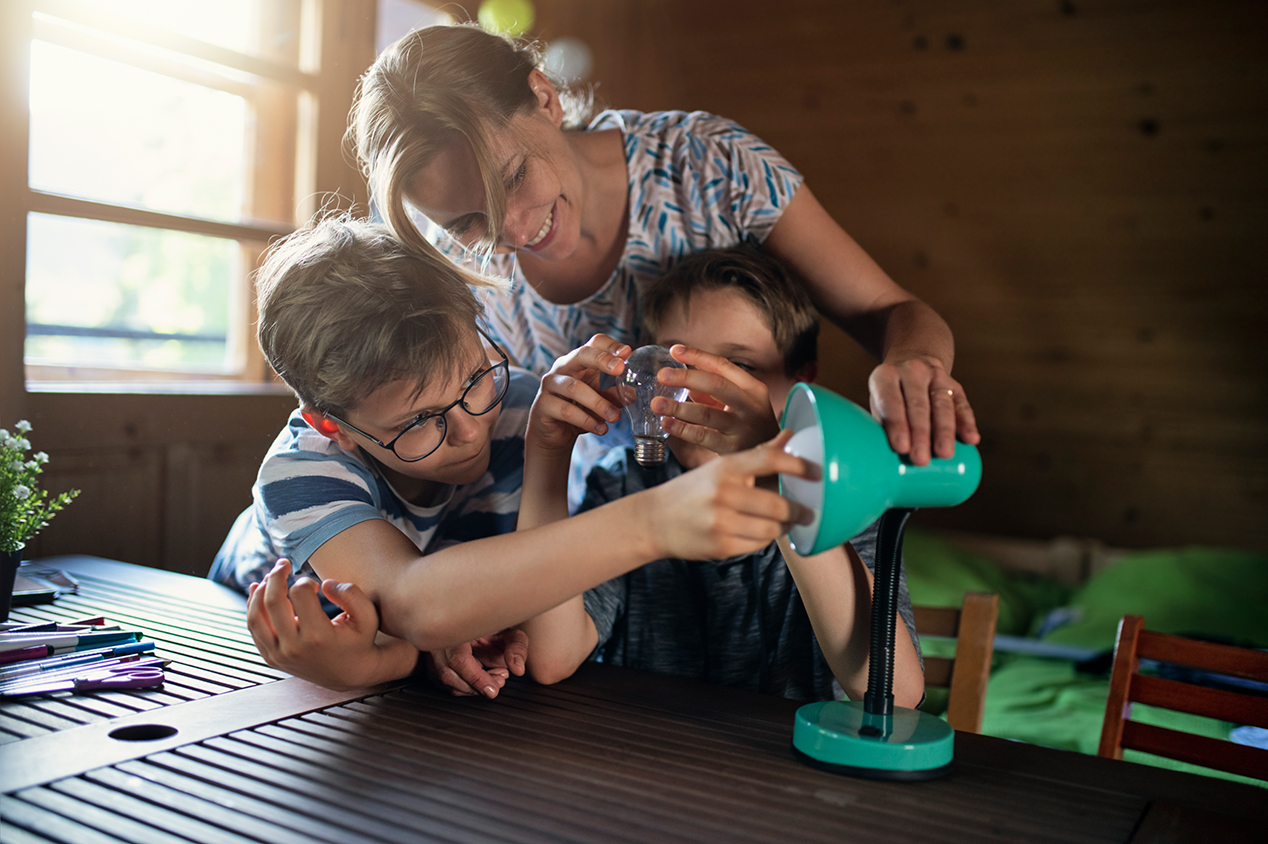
point(789, 313)
point(433, 88)
point(346, 309)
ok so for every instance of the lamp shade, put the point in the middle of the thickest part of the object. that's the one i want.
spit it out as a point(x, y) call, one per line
point(862, 476)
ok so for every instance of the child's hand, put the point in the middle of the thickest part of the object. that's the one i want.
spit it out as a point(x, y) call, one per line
point(922, 408)
point(294, 634)
point(570, 402)
point(481, 666)
point(717, 511)
point(729, 410)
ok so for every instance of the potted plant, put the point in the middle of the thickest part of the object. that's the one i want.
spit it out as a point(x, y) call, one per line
point(24, 507)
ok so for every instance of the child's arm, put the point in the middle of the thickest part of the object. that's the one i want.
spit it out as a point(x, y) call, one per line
point(344, 652)
point(836, 588)
point(568, 404)
point(912, 391)
point(468, 590)
point(294, 634)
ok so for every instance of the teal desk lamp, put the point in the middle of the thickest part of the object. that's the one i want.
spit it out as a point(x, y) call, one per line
point(863, 479)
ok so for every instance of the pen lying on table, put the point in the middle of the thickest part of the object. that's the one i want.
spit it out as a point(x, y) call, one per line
point(9, 659)
point(42, 626)
point(63, 642)
point(57, 663)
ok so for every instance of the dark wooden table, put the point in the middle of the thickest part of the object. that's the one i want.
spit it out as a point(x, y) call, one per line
point(609, 756)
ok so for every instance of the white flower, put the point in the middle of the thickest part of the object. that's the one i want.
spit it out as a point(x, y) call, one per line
point(18, 465)
point(22, 444)
point(23, 427)
point(21, 493)
point(40, 457)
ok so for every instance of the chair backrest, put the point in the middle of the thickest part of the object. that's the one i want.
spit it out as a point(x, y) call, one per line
point(972, 625)
point(1128, 685)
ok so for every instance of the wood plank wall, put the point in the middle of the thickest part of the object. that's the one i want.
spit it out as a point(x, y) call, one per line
point(1076, 186)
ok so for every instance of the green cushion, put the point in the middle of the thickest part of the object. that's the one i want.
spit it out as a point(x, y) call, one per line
point(939, 573)
point(1201, 592)
point(1047, 702)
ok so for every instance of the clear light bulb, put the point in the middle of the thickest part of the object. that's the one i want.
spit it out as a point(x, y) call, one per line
point(637, 389)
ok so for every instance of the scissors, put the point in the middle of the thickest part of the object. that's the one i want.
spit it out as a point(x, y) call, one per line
point(116, 677)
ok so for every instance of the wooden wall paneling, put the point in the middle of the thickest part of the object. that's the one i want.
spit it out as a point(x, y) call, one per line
point(1079, 189)
point(206, 486)
point(346, 50)
point(120, 508)
point(163, 476)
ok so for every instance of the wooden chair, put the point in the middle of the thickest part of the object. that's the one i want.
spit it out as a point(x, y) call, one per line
point(1128, 685)
point(972, 625)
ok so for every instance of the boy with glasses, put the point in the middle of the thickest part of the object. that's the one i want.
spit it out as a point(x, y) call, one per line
point(398, 479)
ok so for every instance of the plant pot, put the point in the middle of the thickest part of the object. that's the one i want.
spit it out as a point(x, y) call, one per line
point(9, 562)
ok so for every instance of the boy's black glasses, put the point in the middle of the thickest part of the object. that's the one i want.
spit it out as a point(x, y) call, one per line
point(426, 433)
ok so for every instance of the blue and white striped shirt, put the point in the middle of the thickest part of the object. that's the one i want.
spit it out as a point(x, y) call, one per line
point(309, 489)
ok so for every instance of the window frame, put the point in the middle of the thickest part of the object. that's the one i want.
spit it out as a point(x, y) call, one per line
point(292, 126)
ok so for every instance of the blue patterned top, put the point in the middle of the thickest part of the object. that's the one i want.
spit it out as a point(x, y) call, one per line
point(309, 489)
point(697, 181)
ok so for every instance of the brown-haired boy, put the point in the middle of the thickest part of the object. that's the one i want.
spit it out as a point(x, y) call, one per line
point(399, 476)
point(768, 620)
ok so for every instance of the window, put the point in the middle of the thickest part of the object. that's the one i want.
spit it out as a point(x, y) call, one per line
point(169, 142)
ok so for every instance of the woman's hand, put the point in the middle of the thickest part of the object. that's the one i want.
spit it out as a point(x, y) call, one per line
point(922, 408)
point(729, 410)
point(569, 402)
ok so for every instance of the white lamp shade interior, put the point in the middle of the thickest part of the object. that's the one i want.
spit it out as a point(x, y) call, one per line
point(807, 444)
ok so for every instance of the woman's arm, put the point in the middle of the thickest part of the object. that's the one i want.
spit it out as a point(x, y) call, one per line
point(836, 588)
point(912, 392)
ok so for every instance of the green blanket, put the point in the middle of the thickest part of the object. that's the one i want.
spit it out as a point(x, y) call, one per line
point(1199, 592)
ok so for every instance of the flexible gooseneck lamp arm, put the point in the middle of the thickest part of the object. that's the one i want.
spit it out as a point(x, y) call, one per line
point(863, 480)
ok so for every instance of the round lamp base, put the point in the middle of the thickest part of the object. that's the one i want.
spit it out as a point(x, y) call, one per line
point(841, 737)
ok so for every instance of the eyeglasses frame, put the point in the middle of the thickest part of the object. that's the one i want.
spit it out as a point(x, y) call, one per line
point(505, 363)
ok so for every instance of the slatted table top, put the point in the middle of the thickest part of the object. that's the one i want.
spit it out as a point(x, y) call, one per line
point(199, 625)
point(610, 755)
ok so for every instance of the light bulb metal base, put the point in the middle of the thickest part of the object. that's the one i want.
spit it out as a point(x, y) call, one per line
point(650, 451)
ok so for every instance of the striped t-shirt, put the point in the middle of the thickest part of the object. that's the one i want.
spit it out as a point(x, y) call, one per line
point(309, 489)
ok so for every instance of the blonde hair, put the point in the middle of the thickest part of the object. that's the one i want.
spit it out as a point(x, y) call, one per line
point(346, 309)
point(437, 86)
point(785, 304)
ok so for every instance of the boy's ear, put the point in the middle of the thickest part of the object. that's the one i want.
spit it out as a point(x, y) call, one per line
point(328, 428)
point(547, 96)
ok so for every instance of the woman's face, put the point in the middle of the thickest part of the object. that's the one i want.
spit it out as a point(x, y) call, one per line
point(542, 181)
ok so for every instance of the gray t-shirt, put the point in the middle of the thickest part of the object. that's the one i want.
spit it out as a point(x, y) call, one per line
point(736, 622)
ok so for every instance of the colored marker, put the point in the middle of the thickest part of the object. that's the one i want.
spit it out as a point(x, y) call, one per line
point(53, 662)
point(62, 642)
point(40, 652)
